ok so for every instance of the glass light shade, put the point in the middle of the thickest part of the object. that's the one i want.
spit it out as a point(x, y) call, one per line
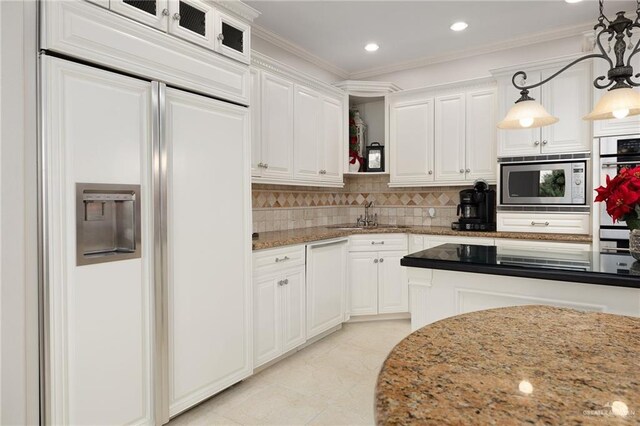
point(615, 103)
point(527, 115)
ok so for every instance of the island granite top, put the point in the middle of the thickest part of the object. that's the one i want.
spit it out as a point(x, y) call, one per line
point(610, 269)
point(517, 365)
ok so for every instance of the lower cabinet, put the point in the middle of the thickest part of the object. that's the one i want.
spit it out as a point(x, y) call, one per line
point(377, 281)
point(279, 319)
point(326, 285)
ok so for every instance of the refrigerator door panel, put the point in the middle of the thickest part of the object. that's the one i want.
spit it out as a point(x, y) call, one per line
point(97, 318)
point(208, 246)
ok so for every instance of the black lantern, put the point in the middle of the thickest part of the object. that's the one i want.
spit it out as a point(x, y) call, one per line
point(375, 158)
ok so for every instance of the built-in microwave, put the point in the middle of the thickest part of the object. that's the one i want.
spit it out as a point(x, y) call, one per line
point(544, 183)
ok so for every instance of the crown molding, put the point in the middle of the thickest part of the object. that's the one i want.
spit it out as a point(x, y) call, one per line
point(482, 50)
point(367, 88)
point(237, 7)
point(295, 49)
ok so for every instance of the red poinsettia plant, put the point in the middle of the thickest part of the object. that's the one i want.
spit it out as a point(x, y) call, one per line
point(622, 196)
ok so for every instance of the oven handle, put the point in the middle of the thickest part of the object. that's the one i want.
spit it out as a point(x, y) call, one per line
point(620, 163)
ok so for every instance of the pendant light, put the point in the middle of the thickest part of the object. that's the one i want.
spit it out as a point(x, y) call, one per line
point(619, 101)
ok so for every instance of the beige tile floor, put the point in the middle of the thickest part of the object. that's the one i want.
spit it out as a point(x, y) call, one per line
point(330, 382)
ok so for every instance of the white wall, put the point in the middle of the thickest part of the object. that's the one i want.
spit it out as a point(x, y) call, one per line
point(478, 66)
point(288, 58)
point(18, 210)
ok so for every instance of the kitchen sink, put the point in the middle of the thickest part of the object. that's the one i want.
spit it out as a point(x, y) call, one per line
point(354, 227)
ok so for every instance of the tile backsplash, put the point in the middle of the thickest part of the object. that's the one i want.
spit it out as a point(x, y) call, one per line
point(278, 207)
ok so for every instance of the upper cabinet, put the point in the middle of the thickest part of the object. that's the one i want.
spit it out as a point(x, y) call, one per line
point(298, 127)
point(443, 135)
point(195, 21)
point(567, 96)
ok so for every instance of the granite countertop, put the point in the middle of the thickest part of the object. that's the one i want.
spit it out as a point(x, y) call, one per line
point(517, 365)
point(305, 235)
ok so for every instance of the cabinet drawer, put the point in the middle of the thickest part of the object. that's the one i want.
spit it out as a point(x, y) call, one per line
point(273, 259)
point(542, 245)
point(377, 242)
point(549, 223)
point(433, 241)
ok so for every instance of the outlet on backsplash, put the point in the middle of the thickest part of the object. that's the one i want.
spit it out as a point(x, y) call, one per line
point(277, 207)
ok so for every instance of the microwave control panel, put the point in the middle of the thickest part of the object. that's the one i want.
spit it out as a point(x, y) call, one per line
point(578, 192)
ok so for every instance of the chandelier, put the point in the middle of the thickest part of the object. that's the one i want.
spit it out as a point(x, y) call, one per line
point(620, 100)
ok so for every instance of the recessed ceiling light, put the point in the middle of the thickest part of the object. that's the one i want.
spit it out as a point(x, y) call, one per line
point(371, 47)
point(459, 26)
point(573, 1)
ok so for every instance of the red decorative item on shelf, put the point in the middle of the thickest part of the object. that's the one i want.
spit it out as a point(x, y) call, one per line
point(622, 196)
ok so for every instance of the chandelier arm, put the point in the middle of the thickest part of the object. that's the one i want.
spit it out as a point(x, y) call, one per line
point(554, 75)
point(604, 53)
point(637, 48)
point(597, 81)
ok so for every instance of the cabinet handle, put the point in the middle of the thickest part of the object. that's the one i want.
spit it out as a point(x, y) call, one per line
point(221, 37)
point(265, 165)
point(375, 260)
point(381, 260)
point(468, 170)
point(461, 170)
point(373, 243)
point(430, 172)
point(281, 282)
point(282, 260)
point(533, 223)
point(165, 12)
point(545, 142)
point(286, 281)
point(176, 16)
point(536, 143)
point(260, 164)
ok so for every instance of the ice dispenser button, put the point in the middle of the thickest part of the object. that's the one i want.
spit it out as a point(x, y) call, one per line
point(107, 223)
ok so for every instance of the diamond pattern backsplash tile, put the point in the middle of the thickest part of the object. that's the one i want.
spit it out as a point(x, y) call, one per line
point(278, 207)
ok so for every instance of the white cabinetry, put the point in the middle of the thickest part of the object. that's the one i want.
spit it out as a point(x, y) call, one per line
point(377, 282)
point(443, 135)
point(567, 96)
point(191, 20)
point(153, 12)
point(299, 128)
point(279, 303)
point(549, 223)
point(326, 285)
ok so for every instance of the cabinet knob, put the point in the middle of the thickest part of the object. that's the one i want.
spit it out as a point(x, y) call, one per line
point(461, 170)
point(468, 170)
point(281, 282)
point(536, 143)
point(375, 260)
point(261, 164)
point(266, 165)
point(545, 142)
point(286, 281)
point(165, 12)
point(221, 37)
point(381, 260)
point(176, 16)
point(430, 172)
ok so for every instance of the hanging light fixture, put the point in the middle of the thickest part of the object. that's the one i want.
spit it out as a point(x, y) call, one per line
point(620, 100)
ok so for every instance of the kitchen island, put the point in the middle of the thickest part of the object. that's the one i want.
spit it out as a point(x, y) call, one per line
point(517, 365)
point(452, 279)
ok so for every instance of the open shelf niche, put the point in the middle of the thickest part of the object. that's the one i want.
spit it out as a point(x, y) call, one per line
point(370, 99)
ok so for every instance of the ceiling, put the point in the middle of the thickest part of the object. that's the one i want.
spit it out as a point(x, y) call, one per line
point(337, 31)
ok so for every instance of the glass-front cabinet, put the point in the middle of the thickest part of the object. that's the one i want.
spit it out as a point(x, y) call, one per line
point(196, 21)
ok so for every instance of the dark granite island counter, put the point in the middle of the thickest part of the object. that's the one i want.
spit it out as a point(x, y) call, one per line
point(451, 279)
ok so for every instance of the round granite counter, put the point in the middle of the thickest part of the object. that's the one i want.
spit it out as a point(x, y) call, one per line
point(528, 364)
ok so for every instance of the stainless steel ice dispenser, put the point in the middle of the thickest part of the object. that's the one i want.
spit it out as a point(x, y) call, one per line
point(107, 222)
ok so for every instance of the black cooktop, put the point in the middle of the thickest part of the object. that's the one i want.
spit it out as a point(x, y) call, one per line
point(613, 269)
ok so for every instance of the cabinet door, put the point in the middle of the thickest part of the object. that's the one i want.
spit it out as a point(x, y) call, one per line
point(516, 142)
point(192, 20)
point(306, 133)
point(232, 37)
point(613, 126)
point(277, 126)
point(150, 12)
point(326, 286)
point(363, 283)
point(267, 324)
point(450, 138)
point(292, 294)
point(332, 140)
point(411, 137)
point(256, 147)
point(393, 287)
point(568, 97)
point(208, 279)
point(480, 150)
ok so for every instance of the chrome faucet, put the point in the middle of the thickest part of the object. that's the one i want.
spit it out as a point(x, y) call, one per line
point(368, 220)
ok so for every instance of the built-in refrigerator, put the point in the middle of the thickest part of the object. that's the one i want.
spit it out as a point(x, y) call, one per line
point(145, 225)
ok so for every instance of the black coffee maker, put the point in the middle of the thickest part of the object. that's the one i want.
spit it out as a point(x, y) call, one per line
point(477, 209)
